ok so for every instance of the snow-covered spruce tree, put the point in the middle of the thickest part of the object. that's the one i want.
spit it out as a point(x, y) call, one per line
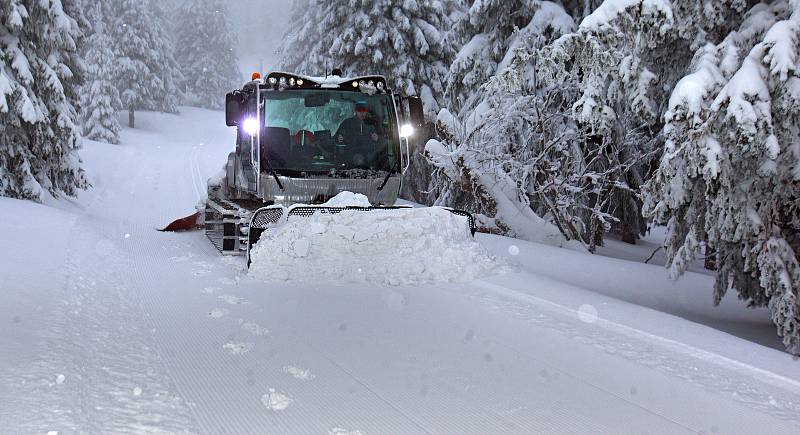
point(505, 167)
point(403, 41)
point(148, 75)
point(514, 159)
point(618, 66)
point(77, 10)
point(205, 50)
point(579, 9)
point(491, 30)
point(304, 49)
point(100, 97)
point(614, 60)
point(729, 181)
point(39, 75)
point(625, 57)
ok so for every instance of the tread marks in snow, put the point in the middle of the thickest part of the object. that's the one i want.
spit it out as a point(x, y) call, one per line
point(99, 370)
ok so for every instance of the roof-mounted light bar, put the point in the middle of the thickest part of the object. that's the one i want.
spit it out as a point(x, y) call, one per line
point(284, 81)
point(279, 81)
point(369, 84)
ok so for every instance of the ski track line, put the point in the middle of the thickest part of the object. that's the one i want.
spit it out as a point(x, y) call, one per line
point(105, 358)
point(400, 410)
point(371, 390)
point(329, 394)
point(482, 419)
point(326, 393)
point(220, 418)
point(580, 379)
point(556, 415)
point(334, 393)
point(109, 377)
point(487, 418)
point(142, 367)
point(39, 401)
point(724, 385)
point(197, 175)
point(186, 384)
point(193, 171)
point(213, 416)
point(777, 379)
point(186, 374)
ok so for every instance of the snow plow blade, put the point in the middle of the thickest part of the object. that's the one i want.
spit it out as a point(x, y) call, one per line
point(189, 223)
point(267, 217)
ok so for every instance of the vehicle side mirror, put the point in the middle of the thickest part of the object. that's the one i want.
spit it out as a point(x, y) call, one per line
point(233, 108)
point(416, 114)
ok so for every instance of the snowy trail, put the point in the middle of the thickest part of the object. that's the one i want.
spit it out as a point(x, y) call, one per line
point(96, 369)
point(133, 330)
point(399, 358)
point(702, 368)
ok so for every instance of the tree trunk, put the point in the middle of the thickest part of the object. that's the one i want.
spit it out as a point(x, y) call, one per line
point(710, 262)
point(130, 118)
point(711, 259)
point(628, 236)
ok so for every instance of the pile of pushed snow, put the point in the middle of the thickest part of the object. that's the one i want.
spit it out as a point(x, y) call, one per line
point(345, 199)
point(394, 247)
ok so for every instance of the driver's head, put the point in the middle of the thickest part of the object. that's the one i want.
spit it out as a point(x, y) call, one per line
point(361, 109)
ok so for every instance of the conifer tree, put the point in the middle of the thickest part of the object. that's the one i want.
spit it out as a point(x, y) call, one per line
point(491, 30)
point(100, 96)
point(406, 42)
point(728, 185)
point(148, 75)
point(305, 47)
point(39, 75)
point(205, 50)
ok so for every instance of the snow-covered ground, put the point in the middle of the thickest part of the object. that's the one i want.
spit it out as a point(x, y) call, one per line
point(110, 326)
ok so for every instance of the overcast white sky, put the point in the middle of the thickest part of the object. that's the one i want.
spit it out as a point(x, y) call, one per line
point(261, 25)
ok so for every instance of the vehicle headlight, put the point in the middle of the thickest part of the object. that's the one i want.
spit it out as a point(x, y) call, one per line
point(406, 131)
point(250, 126)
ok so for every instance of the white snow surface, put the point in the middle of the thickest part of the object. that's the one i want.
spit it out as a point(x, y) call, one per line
point(391, 247)
point(345, 199)
point(609, 10)
point(275, 401)
point(104, 333)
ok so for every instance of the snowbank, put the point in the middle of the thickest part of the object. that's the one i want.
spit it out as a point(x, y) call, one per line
point(345, 199)
point(398, 247)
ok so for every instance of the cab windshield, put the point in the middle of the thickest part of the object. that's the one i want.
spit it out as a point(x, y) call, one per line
point(328, 131)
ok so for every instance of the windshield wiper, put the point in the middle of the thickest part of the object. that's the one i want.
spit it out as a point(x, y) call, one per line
point(291, 172)
point(388, 174)
point(274, 175)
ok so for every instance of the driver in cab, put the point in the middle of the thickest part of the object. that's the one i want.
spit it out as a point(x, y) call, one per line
point(360, 130)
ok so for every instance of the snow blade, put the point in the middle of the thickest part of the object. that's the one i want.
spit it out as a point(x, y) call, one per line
point(267, 217)
point(189, 223)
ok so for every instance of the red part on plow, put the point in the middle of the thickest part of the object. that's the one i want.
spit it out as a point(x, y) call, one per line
point(189, 223)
